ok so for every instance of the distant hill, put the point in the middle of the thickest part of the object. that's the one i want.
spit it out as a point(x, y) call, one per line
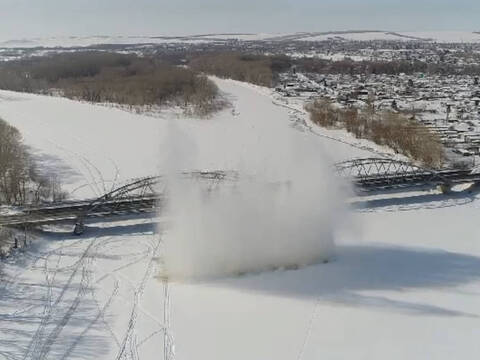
point(350, 35)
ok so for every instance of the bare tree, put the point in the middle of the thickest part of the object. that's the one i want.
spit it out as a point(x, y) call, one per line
point(19, 181)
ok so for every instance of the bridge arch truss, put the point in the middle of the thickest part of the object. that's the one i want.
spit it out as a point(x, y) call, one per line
point(144, 195)
point(363, 168)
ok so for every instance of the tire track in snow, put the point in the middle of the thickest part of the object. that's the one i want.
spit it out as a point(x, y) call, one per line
point(309, 331)
point(100, 314)
point(128, 349)
point(40, 345)
point(168, 340)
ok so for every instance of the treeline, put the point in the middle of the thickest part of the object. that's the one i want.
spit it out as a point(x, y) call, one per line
point(264, 70)
point(348, 66)
point(103, 77)
point(20, 182)
point(256, 69)
point(386, 128)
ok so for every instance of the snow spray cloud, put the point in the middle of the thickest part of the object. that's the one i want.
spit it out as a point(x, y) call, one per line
point(282, 212)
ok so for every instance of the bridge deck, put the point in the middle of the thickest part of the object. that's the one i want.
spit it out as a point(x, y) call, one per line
point(447, 178)
point(71, 210)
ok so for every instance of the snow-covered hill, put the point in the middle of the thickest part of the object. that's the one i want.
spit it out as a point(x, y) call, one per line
point(82, 41)
point(404, 284)
point(425, 36)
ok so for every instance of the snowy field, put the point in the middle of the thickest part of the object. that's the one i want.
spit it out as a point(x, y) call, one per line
point(404, 282)
point(79, 41)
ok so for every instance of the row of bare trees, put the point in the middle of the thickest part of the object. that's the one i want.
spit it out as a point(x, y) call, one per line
point(256, 69)
point(102, 77)
point(403, 135)
point(394, 67)
point(20, 182)
point(264, 69)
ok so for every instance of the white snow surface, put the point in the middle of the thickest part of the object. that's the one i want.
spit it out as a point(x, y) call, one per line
point(404, 284)
point(446, 36)
point(83, 41)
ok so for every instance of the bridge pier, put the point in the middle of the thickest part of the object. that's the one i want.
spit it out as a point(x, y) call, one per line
point(475, 186)
point(79, 228)
point(445, 188)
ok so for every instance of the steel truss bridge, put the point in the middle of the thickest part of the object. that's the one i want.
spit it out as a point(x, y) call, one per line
point(144, 196)
point(141, 196)
point(381, 174)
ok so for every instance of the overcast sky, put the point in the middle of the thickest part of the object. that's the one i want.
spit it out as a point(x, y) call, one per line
point(31, 18)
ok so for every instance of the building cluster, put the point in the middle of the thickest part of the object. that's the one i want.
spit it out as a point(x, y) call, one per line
point(448, 105)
